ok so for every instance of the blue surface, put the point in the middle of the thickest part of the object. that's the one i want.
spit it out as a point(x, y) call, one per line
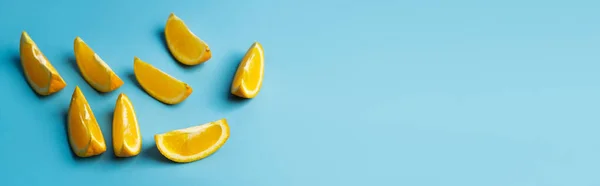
point(404, 92)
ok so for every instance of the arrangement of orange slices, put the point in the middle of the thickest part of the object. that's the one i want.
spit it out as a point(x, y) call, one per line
point(181, 145)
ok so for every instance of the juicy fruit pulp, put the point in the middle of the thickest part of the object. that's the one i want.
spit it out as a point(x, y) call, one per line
point(39, 72)
point(85, 136)
point(183, 44)
point(249, 75)
point(93, 69)
point(193, 143)
point(159, 84)
point(127, 140)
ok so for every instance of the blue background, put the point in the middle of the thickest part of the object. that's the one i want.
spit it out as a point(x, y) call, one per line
point(402, 92)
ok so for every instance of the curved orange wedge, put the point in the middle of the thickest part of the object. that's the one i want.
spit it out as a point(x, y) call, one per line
point(127, 139)
point(193, 143)
point(39, 72)
point(249, 75)
point(159, 84)
point(93, 69)
point(184, 45)
point(85, 136)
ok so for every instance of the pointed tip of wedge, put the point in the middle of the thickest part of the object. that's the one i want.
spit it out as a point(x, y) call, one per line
point(78, 41)
point(256, 44)
point(25, 37)
point(77, 92)
point(172, 16)
point(24, 34)
point(121, 96)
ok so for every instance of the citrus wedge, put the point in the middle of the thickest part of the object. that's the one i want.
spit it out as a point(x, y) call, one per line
point(93, 69)
point(249, 75)
point(193, 143)
point(127, 140)
point(40, 74)
point(159, 84)
point(184, 45)
point(85, 136)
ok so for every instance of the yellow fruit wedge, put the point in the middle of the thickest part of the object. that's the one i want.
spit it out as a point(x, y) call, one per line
point(85, 136)
point(127, 139)
point(93, 69)
point(194, 143)
point(159, 84)
point(184, 45)
point(40, 74)
point(249, 75)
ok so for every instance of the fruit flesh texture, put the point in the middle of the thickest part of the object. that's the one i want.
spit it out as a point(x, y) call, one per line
point(184, 45)
point(126, 133)
point(193, 143)
point(159, 84)
point(94, 70)
point(39, 72)
point(248, 77)
point(83, 127)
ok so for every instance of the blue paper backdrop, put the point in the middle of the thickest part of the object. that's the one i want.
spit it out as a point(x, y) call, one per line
point(397, 92)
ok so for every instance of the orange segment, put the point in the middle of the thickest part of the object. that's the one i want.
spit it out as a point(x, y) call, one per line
point(39, 72)
point(159, 84)
point(127, 140)
point(85, 136)
point(193, 143)
point(183, 44)
point(249, 75)
point(93, 69)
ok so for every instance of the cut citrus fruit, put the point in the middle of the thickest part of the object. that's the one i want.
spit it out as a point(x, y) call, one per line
point(93, 69)
point(127, 140)
point(183, 44)
point(40, 74)
point(159, 84)
point(249, 75)
point(85, 136)
point(193, 143)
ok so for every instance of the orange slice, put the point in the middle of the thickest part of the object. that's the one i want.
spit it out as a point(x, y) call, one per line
point(39, 72)
point(193, 143)
point(127, 140)
point(159, 84)
point(85, 136)
point(93, 69)
point(249, 75)
point(184, 45)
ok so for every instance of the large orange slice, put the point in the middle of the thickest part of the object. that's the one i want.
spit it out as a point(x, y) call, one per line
point(183, 44)
point(159, 84)
point(39, 72)
point(85, 136)
point(249, 75)
point(93, 69)
point(127, 139)
point(193, 143)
